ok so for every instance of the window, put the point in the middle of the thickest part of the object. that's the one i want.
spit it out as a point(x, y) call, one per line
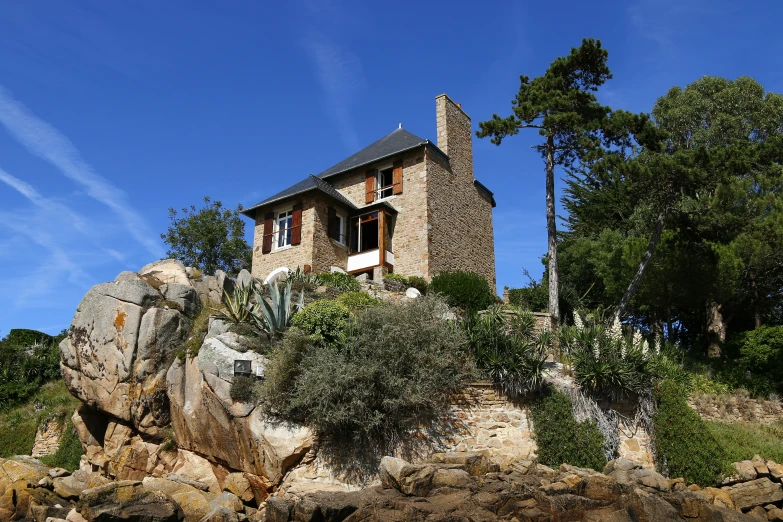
point(283, 225)
point(385, 183)
point(364, 233)
point(337, 227)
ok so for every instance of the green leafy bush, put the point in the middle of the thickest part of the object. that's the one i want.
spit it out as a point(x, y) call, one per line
point(466, 290)
point(508, 350)
point(24, 368)
point(684, 445)
point(323, 321)
point(25, 337)
point(419, 283)
point(243, 389)
point(534, 298)
point(760, 352)
point(392, 372)
point(395, 282)
point(560, 439)
point(340, 281)
point(357, 300)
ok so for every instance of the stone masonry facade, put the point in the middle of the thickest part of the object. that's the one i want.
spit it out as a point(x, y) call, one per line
point(443, 221)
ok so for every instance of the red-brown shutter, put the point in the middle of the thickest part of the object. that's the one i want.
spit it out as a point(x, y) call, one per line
point(397, 177)
point(333, 231)
point(269, 219)
point(369, 186)
point(296, 224)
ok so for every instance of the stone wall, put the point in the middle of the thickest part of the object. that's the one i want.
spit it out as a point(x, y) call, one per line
point(326, 251)
point(460, 217)
point(293, 256)
point(738, 407)
point(47, 438)
point(409, 242)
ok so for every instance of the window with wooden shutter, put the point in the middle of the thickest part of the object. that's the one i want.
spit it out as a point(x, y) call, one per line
point(398, 177)
point(296, 225)
point(269, 232)
point(369, 186)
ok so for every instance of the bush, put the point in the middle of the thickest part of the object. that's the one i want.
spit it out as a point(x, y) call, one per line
point(560, 439)
point(243, 389)
point(322, 321)
point(340, 281)
point(509, 352)
point(395, 282)
point(25, 337)
point(534, 298)
point(357, 300)
point(684, 446)
point(759, 352)
point(466, 290)
point(392, 373)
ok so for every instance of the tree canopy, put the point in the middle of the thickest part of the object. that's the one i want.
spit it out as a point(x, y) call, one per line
point(210, 238)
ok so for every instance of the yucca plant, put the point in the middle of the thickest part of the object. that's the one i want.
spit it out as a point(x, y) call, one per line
point(272, 317)
point(300, 276)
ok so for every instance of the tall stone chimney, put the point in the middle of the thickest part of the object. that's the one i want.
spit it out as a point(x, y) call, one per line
point(455, 137)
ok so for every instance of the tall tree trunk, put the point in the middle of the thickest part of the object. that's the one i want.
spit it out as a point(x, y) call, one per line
point(716, 330)
point(755, 290)
point(637, 278)
point(551, 226)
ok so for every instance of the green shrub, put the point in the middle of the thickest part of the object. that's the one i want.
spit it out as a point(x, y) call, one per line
point(243, 389)
point(466, 290)
point(743, 440)
point(392, 372)
point(357, 300)
point(340, 281)
point(560, 439)
point(395, 282)
point(534, 298)
point(419, 283)
point(323, 321)
point(684, 446)
point(508, 350)
point(759, 352)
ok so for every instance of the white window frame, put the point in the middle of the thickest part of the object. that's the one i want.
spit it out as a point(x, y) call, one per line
point(379, 188)
point(342, 233)
point(276, 228)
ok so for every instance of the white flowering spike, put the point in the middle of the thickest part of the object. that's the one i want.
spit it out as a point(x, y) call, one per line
point(547, 326)
point(596, 350)
point(615, 332)
point(637, 339)
point(645, 348)
point(657, 343)
point(580, 326)
point(623, 351)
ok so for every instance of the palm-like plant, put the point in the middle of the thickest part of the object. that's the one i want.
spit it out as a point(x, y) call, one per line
point(511, 353)
point(235, 304)
point(272, 317)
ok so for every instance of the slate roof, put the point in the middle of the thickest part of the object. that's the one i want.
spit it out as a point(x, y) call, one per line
point(309, 183)
point(398, 141)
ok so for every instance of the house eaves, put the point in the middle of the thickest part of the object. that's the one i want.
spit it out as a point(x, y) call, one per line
point(306, 185)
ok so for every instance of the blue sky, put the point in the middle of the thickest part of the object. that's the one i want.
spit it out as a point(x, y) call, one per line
point(112, 112)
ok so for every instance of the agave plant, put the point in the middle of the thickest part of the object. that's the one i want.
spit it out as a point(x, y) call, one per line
point(272, 317)
point(235, 305)
point(300, 276)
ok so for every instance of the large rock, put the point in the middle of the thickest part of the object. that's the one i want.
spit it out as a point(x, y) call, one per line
point(194, 503)
point(17, 475)
point(127, 501)
point(184, 296)
point(167, 271)
point(118, 349)
point(71, 487)
point(204, 422)
point(410, 479)
point(754, 493)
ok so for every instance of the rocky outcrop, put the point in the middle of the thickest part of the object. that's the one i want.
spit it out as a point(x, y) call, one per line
point(466, 487)
point(149, 412)
point(205, 418)
point(120, 344)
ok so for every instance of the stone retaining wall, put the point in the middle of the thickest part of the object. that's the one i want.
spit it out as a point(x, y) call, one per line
point(738, 407)
point(47, 438)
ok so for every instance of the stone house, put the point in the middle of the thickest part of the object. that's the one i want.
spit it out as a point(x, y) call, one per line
point(402, 204)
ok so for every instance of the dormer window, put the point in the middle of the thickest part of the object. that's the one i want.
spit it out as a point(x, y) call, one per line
point(383, 182)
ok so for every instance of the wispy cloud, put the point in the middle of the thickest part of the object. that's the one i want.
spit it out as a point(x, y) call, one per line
point(340, 75)
point(49, 144)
